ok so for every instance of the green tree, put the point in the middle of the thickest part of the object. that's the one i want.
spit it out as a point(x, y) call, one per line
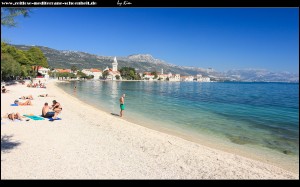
point(9, 67)
point(20, 57)
point(138, 77)
point(25, 71)
point(104, 74)
point(80, 74)
point(17, 54)
point(90, 77)
point(128, 73)
point(154, 73)
point(72, 75)
point(8, 15)
point(37, 57)
point(73, 68)
point(118, 77)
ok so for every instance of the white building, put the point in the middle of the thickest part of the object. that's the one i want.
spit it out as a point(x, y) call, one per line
point(164, 77)
point(95, 72)
point(113, 72)
point(175, 77)
point(43, 71)
point(187, 78)
point(202, 79)
point(148, 76)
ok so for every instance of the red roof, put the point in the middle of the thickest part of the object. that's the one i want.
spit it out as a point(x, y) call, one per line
point(95, 70)
point(63, 70)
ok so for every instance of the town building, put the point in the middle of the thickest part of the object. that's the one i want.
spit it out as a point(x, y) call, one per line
point(187, 78)
point(113, 72)
point(97, 73)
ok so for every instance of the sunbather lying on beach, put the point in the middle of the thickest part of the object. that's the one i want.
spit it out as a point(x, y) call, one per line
point(26, 97)
point(43, 95)
point(13, 116)
point(27, 102)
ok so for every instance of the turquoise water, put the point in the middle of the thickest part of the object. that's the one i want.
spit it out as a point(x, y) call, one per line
point(262, 114)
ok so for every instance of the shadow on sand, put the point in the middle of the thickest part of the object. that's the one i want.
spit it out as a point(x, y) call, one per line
point(114, 114)
point(7, 144)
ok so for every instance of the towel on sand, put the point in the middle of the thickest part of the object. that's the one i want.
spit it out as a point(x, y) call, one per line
point(51, 119)
point(33, 117)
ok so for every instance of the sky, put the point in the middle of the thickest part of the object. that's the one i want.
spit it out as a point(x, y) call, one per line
point(218, 38)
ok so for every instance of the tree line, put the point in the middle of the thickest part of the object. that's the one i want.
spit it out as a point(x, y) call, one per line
point(16, 62)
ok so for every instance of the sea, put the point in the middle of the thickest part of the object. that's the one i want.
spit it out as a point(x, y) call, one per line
point(252, 119)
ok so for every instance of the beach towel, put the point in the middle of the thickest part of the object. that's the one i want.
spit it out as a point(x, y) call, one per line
point(51, 119)
point(33, 117)
point(13, 104)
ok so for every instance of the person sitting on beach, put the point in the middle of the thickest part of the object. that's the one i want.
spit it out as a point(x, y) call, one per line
point(13, 116)
point(45, 111)
point(56, 107)
point(26, 97)
point(42, 85)
point(43, 95)
point(27, 102)
point(4, 90)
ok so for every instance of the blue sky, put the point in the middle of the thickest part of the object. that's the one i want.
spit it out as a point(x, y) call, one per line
point(219, 38)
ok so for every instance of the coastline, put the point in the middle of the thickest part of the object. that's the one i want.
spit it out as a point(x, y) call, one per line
point(90, 143)
point(217, 141)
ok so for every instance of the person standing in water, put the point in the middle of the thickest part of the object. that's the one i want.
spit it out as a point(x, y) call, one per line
point(74, 89)
point(122, 105)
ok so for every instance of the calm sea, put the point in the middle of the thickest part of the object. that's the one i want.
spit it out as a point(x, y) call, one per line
point(260, 117)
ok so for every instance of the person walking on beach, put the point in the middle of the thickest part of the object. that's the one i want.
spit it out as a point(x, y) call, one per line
point(122, 105)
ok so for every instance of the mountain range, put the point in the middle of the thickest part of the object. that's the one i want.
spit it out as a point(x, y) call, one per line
point(145, 62)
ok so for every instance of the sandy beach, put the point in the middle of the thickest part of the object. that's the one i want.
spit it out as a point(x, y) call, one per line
point(91, 144)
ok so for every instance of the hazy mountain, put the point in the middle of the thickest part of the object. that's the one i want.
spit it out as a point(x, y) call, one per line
point(146, 62)
point(141, 62)
point(259, 75)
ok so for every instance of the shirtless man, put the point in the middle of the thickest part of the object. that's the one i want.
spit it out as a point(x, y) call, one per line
point(122, 105)
point(45, 111)
point(56, 107)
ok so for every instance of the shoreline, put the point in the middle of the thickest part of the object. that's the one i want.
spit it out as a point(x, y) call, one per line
point(287, 82)
point(254, 152)
point(91, 143)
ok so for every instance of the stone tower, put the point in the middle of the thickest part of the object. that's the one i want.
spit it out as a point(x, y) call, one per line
point(115, 65)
